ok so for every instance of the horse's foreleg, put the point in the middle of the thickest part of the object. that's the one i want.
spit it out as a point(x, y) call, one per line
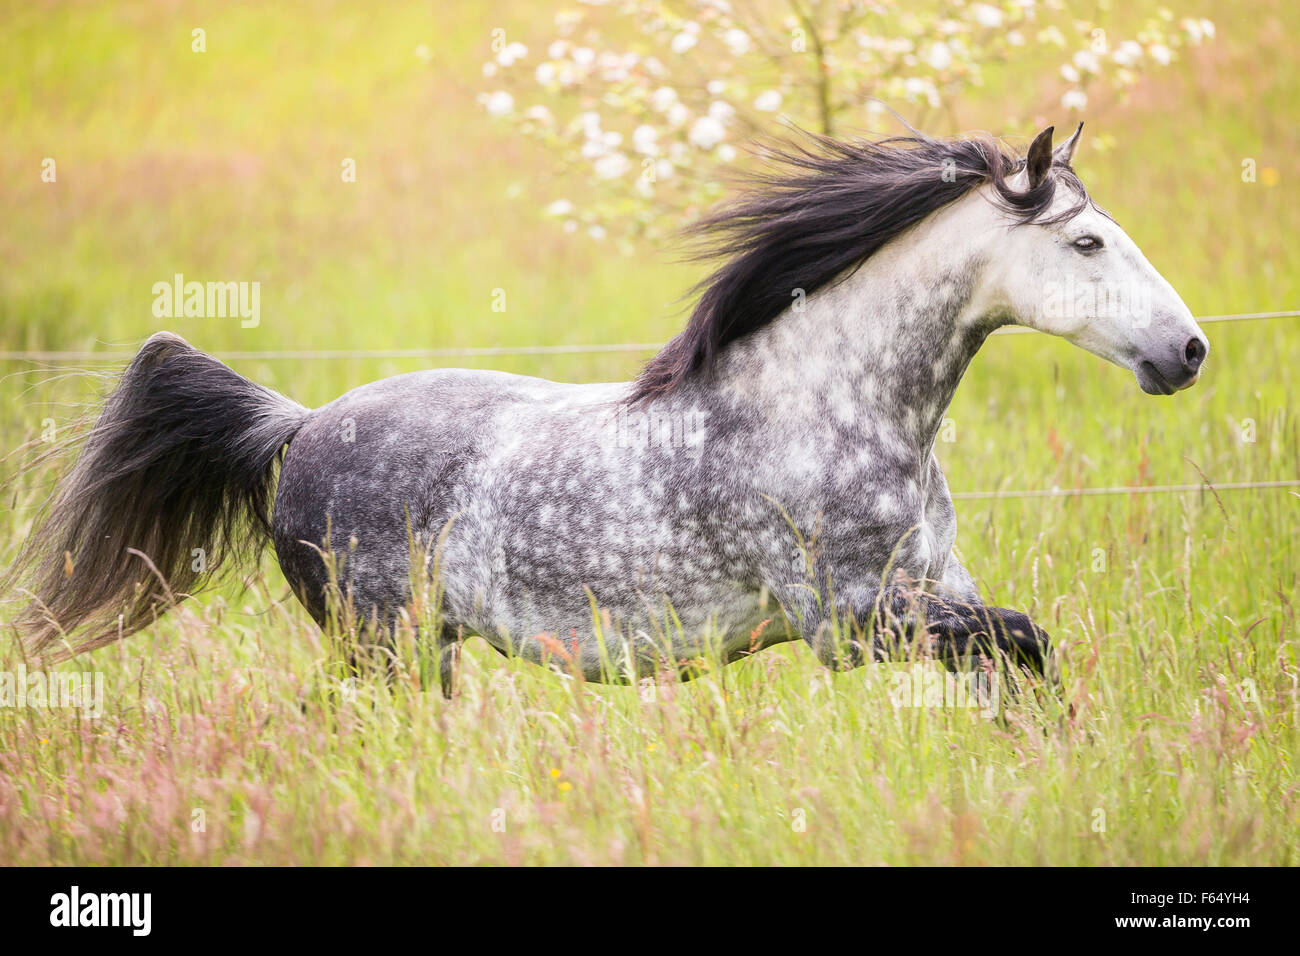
point(887, 625)
point(963, 632)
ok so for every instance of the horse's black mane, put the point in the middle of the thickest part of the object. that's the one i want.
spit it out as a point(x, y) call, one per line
point(821, 209)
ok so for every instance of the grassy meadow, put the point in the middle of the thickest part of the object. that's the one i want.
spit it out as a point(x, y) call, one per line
point(1175, 614)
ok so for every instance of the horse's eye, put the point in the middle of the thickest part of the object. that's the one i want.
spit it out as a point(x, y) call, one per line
point(1087, 243)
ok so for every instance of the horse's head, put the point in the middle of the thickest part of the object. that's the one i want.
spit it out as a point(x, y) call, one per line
point(1073, 272)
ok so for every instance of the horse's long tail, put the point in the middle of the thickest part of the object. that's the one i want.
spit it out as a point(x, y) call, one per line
point(177, 472)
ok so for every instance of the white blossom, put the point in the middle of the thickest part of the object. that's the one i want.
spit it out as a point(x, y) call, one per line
point(663, 142)
point(512, 52)
point(499, 103)
point(706, 132)
point(939, 56)
point(737, 41)
point(1052, 35)
point(1127, 53)
point(1074, 100)
point(611, 165)
point(1087, 61)
point(663, 98)
point(917, 88)
point(721, 111)
point(645, 140)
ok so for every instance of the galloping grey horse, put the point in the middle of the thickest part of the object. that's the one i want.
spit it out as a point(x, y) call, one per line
point(780, 447)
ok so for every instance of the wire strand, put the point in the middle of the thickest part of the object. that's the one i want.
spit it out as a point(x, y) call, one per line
point(334, 354)
point(1123, 490)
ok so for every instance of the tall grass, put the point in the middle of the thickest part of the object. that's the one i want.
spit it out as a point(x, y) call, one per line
point(231, 733)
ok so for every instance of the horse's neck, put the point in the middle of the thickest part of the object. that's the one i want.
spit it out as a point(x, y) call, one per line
point(880, 354)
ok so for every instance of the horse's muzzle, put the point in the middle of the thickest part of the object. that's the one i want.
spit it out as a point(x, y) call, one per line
point(1169, 375)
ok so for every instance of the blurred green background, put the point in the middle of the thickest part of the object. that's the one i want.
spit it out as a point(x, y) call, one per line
point(226, 165)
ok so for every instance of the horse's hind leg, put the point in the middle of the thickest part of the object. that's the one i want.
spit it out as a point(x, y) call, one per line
point(445, 650)
point(448, 648)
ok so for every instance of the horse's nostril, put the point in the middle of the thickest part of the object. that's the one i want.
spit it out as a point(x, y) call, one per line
point(1194, 354)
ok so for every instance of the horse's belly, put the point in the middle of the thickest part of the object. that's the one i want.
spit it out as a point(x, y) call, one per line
point(605, 607)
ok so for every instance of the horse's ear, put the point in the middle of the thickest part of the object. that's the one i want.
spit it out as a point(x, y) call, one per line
point(1039, 160)
point(1065, 152)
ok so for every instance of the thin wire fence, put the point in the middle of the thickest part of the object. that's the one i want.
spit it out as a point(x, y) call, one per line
point(1124, 490)
point(484, 351)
